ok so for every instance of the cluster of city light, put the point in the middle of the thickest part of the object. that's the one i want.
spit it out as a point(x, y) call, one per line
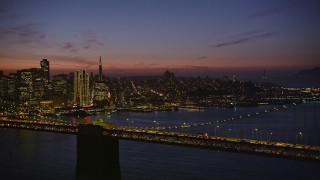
point(27, 88)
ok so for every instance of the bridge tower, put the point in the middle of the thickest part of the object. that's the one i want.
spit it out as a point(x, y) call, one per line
point(97, 155)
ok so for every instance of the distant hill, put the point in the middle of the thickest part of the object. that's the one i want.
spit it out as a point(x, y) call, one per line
point(315, 72)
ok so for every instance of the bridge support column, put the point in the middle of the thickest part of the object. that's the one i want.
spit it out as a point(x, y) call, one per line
point(97, 155)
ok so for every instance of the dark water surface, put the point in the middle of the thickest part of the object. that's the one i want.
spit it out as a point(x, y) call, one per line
point(39, 155)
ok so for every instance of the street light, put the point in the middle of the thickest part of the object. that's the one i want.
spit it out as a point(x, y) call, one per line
point(270, 136)
point(253, 133)
point(215, 129)
point(300, 133)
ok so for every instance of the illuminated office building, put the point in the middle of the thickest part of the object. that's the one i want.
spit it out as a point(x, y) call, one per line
point(3, 82)
point(100, 90)
point(12, 86)
point(30, 87)
point(44, 64)
point(60, 87)
point(81, 88)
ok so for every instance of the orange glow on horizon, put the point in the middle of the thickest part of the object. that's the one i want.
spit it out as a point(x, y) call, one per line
point(66, 64)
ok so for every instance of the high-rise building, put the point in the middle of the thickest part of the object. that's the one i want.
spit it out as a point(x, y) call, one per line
point(24, 90)
point(12, 86)
point(70, 90)
point(3, 83)
point(81, 89)
point(100, 70)
point(44, 64)
point(60, 83)
point(60, 90)
point(31, 87)
point(100, 90)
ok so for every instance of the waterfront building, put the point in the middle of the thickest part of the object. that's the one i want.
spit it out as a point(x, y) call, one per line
point(31, 87)
point(25, 86)
point(60, 88)
point(81, 89)
point(100, 92)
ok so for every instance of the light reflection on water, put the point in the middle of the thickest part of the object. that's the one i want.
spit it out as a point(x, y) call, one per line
point(295, 124)
point(36, 155)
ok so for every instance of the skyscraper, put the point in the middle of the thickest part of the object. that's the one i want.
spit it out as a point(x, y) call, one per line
point(44, 64)
point(3, 82)
point(30, 88)
point(25, 77)
point(60, 87)
point(100, 89)
point(100, 70)
point(81, 88)
point(12, 85)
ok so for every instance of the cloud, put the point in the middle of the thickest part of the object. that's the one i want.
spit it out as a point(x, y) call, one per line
point(33, 35)
point(88, 40)
point(6, 15)
point(245, 39)
point(89, 43)
point(269, 12)
point(248, 33)
point(91, 40)
point(25, 34)
point(70, 47)
point(70, 61)
point(202, 57)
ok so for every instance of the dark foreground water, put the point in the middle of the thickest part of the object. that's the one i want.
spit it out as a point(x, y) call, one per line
point(36, 155)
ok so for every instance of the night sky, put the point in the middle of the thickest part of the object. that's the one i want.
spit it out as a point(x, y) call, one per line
point(197, 37)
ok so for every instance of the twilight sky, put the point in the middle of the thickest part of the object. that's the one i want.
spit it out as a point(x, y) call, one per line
point(189, 37)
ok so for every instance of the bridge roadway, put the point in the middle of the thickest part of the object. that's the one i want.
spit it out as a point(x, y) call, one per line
point(266, 148)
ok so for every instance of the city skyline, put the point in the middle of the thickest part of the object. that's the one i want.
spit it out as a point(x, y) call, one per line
point(149, 37)
point(159, 89)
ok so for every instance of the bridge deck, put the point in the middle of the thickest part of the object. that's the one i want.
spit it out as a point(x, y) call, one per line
point(267, 148)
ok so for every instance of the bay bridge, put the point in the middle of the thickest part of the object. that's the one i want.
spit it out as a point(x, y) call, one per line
point(98, 146)
point(251, 146)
